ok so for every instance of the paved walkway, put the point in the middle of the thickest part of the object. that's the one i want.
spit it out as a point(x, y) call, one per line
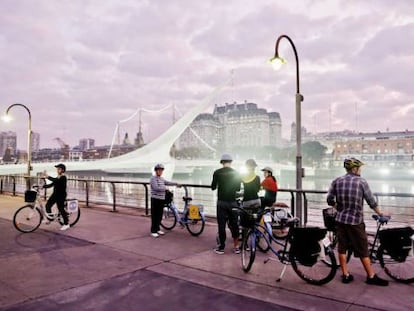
point(108, 261)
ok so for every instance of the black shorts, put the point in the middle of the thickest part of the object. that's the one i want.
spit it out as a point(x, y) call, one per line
point(352, 237)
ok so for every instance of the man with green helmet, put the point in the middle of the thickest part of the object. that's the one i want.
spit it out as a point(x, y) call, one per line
point(347, 193)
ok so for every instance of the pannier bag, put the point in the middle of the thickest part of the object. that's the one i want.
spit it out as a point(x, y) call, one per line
point(30, 196)
point(305, 244)
point(329, 215)
point(397, 242)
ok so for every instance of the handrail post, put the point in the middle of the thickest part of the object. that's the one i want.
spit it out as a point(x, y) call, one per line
point(305, 209)
point(14, 186)
point(113, 197)
point(87, 192)
point(146, 200)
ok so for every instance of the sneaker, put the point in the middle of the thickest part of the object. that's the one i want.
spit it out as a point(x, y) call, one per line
point(65, 227)
point(236, 250)
point(346, 279)
point(219, 251)
point(155, 235)
point(375, 280)
point(160, 232)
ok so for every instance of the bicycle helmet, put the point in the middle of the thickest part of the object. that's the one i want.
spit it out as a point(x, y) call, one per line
point(62, 166)
point(158, 166)
point(352, 162)
point(226, 158)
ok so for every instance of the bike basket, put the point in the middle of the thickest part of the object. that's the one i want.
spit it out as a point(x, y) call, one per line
point(249, 217)
point(397, 242)
point(30, 196)
point(72, 206)
point(194, 211)
point(329, 218)
point(168, 196)
point(305, 246)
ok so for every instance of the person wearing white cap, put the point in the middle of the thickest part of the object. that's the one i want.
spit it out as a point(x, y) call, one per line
point(269, 185)
point(158, 183)
point(227, 182)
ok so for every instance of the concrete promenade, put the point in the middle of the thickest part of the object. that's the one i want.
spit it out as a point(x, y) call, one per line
point(108, 261)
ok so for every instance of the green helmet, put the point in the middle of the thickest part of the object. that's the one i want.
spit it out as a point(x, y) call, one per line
point(352, 162)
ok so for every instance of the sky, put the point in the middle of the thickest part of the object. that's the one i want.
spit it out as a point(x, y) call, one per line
point(81, 66)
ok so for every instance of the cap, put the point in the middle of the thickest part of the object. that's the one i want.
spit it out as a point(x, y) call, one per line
point(267, 169)
point(226, 158)
point(158, 166)
point(62, 166)
point(251, 163)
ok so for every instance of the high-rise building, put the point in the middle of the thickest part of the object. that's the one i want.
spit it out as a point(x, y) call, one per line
point(86, 143)
point(35, 143)
point(8, 140)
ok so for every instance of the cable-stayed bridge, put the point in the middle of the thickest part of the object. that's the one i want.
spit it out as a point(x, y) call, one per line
point(140, 160)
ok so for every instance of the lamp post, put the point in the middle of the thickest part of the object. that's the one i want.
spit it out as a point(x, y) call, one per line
point(276, 62)
point(29, 141)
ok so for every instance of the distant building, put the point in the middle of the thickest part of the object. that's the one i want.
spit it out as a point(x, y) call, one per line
point(86, 143)
point(233, 125)
point(35, 141)
point(8, 141)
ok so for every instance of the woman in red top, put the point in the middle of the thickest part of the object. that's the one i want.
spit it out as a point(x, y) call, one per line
point(269, 184)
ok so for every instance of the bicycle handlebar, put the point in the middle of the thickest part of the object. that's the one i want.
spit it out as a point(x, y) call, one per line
point(381, 219)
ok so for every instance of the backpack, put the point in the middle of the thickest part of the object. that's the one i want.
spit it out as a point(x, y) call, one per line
point(397, 242)
point(305, 244)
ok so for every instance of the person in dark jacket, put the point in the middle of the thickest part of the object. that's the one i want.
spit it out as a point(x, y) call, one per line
point(227, 182)
point(58, 196)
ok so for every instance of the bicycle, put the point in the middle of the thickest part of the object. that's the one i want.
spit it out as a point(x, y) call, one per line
point(192, 217)
point(391, 248)
point(302, 247)
point(29, 217)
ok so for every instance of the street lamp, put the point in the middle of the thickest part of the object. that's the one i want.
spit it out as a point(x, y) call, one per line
point(277, 62)
point(29, 140)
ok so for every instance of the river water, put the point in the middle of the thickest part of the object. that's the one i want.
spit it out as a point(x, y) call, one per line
point(401, 207)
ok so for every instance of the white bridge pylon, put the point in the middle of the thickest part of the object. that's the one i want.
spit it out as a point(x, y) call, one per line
point(140, 160)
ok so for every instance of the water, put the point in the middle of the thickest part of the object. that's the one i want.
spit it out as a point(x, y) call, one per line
point(132, 195)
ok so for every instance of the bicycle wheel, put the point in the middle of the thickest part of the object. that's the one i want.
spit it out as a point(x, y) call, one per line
point(195, 226)
point(168, 220)
point(401, 271)
point(317, 273)
point(27, 218)
point(248, 250)
point(331, 235)
point(73, 217)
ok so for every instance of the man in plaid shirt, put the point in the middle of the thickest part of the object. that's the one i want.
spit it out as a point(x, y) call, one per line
point(347, 193)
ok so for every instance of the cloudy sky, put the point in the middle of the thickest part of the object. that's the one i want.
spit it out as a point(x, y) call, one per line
point(83, 65)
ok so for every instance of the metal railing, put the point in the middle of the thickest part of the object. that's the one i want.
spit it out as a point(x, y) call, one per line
point(135, 194)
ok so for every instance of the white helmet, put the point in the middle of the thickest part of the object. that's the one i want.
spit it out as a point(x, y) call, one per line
point(226, 158)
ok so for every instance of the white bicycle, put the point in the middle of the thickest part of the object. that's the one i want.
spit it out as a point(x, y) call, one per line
point(29, 217)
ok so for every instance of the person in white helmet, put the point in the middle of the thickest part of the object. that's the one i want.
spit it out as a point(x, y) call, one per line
point(158, 189)
point(227, 182)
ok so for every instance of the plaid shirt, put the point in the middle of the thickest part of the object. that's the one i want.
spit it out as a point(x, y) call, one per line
point(348, 193)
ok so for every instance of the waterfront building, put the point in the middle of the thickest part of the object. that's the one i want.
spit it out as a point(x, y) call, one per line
point(378, 149)
point(231, 126)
